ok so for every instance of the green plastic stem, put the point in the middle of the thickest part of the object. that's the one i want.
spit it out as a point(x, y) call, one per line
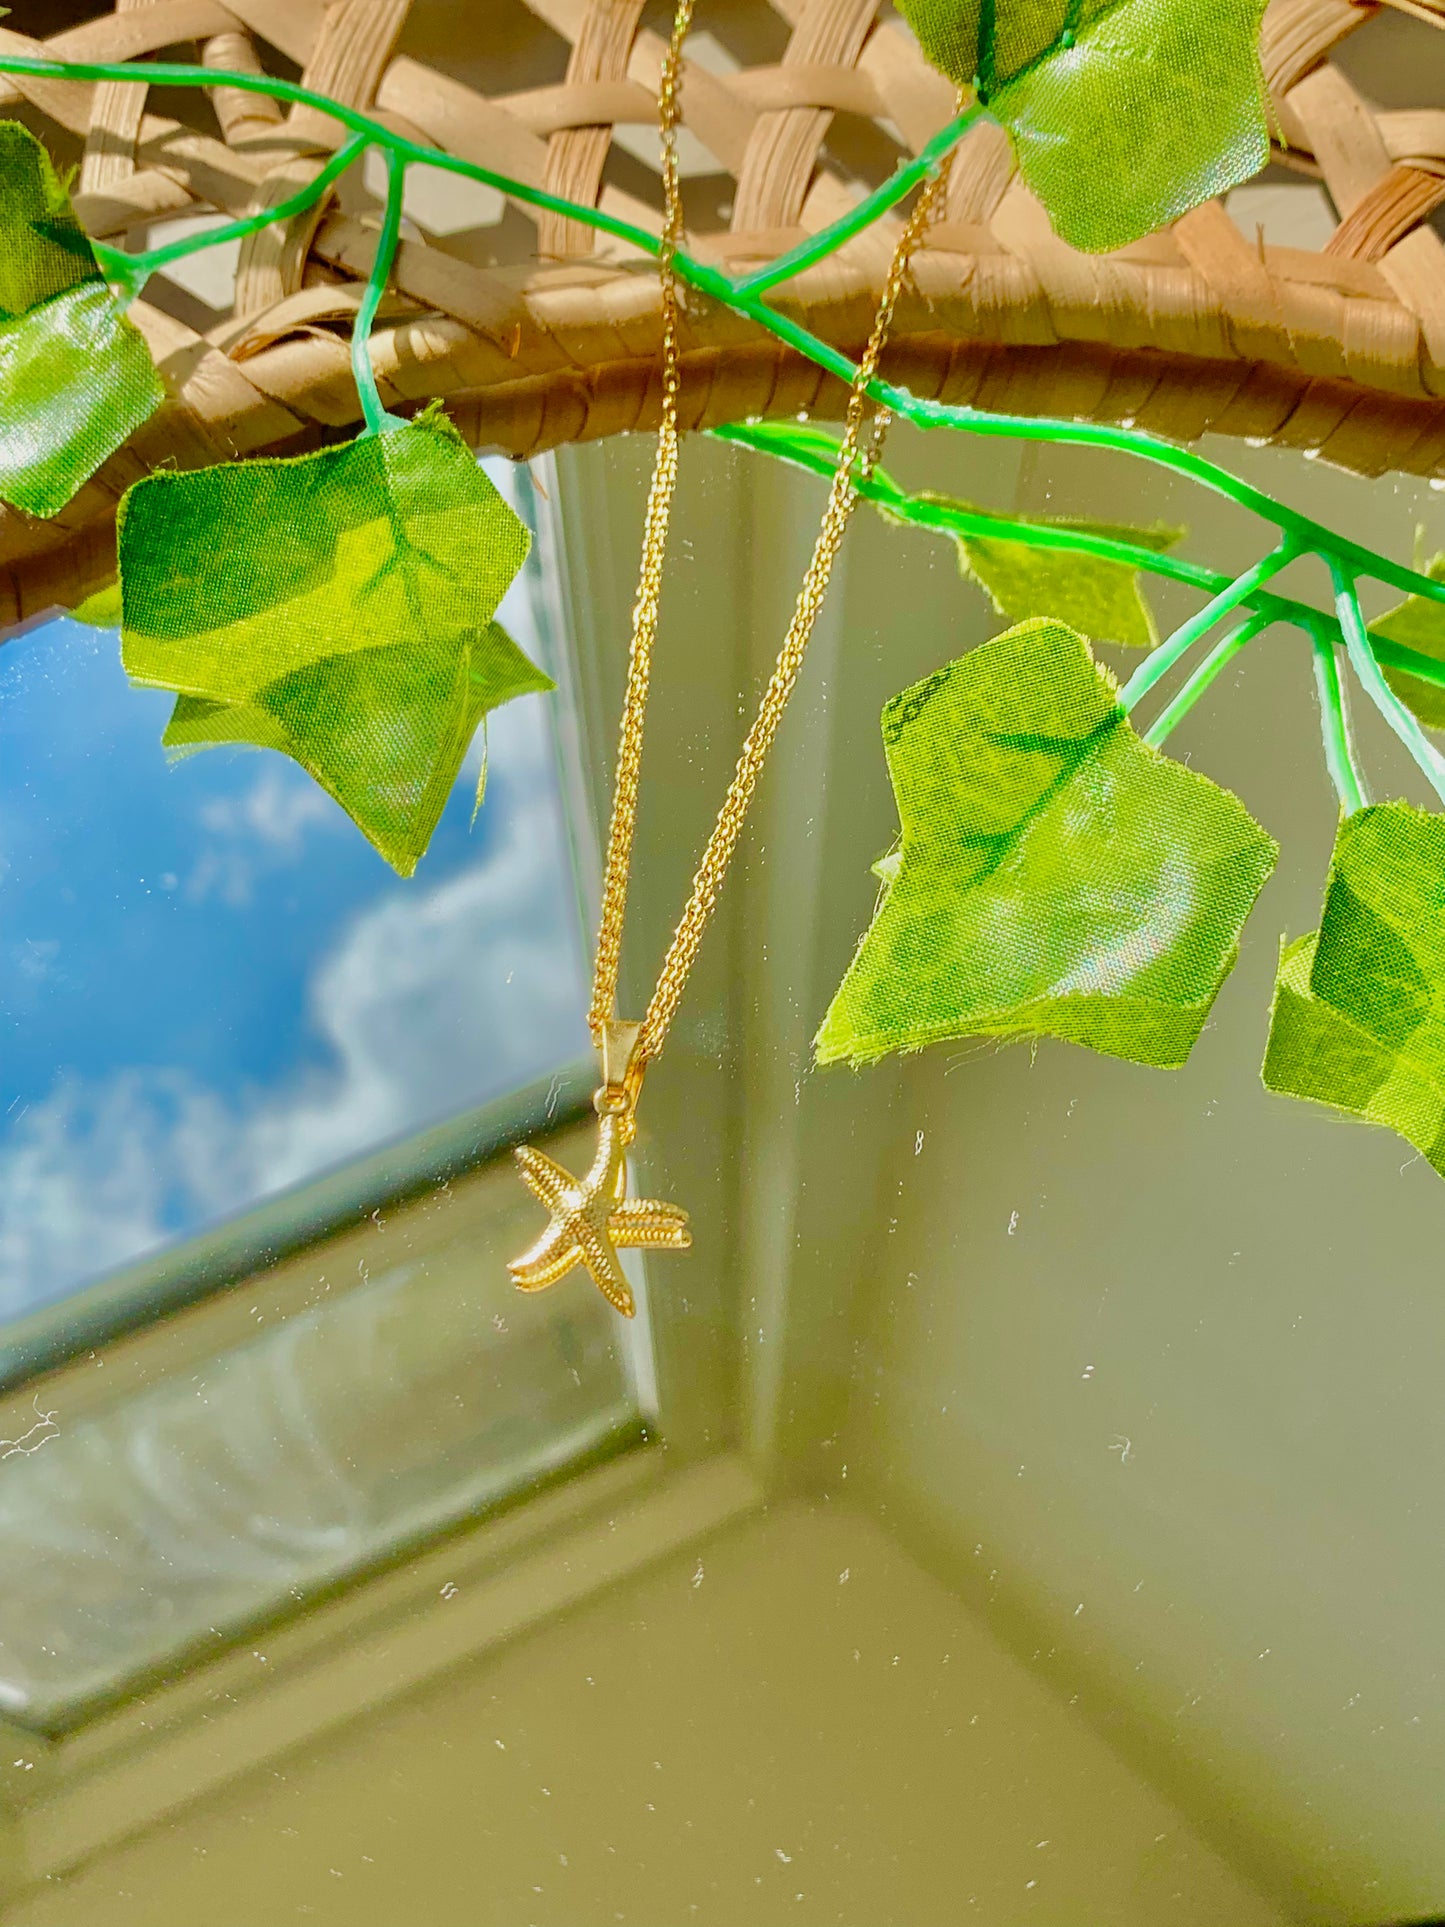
point(372, 406)
point(984, 525)
point(1306, 533)
point(902, 181)
point(1370, 674)
point(1303, 529)
point(1395, 655)
point(1188, 633)
point(952, 518)
point(130, 272)
point(1218, 659)
point(949, 518)
point(1335, 727)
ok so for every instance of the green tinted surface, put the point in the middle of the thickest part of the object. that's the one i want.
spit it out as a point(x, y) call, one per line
point(1359, 1014)
point(75, 377)
point(1418, 624)
point(1057, 878)
point(1103, 600)
point(1124, 113)
point(338, 607)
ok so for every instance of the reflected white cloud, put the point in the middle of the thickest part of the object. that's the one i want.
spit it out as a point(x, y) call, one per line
point(430, 1002)
point(215, 991)
point(81, 1185)
point(256, 829)
point(276, 810)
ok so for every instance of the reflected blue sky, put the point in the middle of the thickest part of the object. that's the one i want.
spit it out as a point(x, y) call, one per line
point(213, 988)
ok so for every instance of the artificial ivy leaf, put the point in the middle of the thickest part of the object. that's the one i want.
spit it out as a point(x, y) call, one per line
point(1102, 599)
point(378, 706)
point(75, 377)
point(1417, 623)
point(101, 610)
point(1057, 877)
point(339, 607)
point(1359, 1011)
point(1124, 114)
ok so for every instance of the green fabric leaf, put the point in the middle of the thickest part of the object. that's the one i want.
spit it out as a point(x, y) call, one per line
point(1057, 877)
point(374, 710)
point(1124, 114)
point(1102, 599)
point(101, 610)
point(1418, 623)
point(1359, 1011)
point(339, 607)
point(75, 378)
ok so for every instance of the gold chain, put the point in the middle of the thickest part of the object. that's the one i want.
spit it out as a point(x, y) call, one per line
point(591, 1218)
point(842, 496)
point(618, 865)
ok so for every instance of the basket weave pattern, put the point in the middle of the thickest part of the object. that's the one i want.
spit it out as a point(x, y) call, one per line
point(1197, 328)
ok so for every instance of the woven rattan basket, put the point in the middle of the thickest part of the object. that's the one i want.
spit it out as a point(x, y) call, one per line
point(538, 334)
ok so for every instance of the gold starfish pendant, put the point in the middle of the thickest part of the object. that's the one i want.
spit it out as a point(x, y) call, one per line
point(592, 1217)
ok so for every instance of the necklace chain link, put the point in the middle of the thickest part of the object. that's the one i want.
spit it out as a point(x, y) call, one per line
point(842, 496)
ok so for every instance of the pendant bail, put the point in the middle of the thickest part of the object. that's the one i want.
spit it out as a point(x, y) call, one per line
point(622, 1068)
